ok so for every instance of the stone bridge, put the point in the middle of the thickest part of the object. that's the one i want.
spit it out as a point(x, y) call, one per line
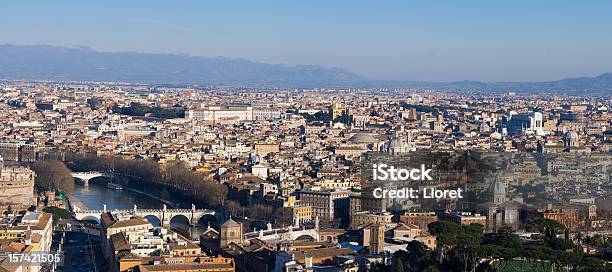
point(86, 176)
point(164, 215)
point(285, 234)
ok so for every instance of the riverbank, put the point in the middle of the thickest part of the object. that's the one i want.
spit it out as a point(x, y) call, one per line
point(75, 203)
point(170, 181)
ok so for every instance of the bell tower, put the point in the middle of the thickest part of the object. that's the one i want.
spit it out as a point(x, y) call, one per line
point(231, 232)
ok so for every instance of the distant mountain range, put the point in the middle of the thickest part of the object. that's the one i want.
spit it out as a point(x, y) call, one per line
point(599, 85)
point(43, 62)
point(81, 63)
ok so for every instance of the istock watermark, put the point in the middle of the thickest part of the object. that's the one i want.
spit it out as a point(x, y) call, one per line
point(385, 172)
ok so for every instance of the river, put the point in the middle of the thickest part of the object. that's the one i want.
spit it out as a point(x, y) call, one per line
point(94, 196)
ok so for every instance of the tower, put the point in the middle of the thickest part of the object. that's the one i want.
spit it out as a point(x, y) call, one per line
point(231, 232)
point(377, 238)
point(498, 190)
point(338, 112)
point(571, 139)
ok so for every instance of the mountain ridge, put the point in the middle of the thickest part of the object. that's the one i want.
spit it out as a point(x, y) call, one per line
point(47, 62)
point(82, 63)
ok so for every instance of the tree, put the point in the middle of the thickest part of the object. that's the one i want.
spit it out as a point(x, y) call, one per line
point(458, 245)
point(9, 210)
point(502, 247)
point(157, 252)
point(58, 213)
point(137, 109)
point(579, 237)
point(549, 227)
point(504, 237)
point(597, 240)
point(398, 266)
point(55, 175)
point(418, 256)
point(282, 216)
point(231, 207)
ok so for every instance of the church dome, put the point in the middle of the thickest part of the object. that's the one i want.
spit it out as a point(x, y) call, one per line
point(363, 138)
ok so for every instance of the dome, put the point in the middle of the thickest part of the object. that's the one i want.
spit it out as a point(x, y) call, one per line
point(363, 138)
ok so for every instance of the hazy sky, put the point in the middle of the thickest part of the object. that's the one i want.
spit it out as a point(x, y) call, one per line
point(407, 40)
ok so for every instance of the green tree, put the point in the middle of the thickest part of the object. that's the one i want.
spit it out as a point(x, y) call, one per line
point(58, 213)
point(138, 109)
point(549, 227)
point(457, 245)
point(597, 240)
point(418, 256)
point(579, 237)
point(504, 237)
point(398, 266)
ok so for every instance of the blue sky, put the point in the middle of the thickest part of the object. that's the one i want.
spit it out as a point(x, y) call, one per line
point(405, 40)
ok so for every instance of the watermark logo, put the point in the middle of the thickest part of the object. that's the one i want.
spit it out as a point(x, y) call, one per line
point(384, 172)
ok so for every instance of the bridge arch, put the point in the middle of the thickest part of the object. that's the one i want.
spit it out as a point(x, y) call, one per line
point(206, 220)
point(92, 218)
point(163, 216)
point(80, 180)
point(176, 217)
point(153, 219)
point(86, 176)
point(306, 237)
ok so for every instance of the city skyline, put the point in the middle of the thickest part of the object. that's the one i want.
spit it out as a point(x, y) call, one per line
point(384, 41)
point(306, 136)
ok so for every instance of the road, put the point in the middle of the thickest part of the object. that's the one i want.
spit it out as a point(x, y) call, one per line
point(82, 252)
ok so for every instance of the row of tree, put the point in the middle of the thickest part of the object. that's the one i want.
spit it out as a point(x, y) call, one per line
point(53, 175)
point(170, 181)
point(175, 180)
point(173, 177)
point(137, 109)
point(466, 248)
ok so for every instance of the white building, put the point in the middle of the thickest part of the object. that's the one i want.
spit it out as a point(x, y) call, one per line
point(530, 123)
point(227, 112)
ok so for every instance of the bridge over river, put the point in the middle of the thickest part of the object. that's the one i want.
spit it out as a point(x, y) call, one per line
point(164, 215)
point(86, 176)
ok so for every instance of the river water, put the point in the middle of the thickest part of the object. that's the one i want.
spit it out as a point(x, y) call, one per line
point(94, 196)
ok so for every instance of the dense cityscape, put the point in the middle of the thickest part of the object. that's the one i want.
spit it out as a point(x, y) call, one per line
point(253, 179)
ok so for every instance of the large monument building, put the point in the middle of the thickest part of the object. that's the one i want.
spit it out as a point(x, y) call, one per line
point(215, 114)
point(16, 187)
point(530, 123)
